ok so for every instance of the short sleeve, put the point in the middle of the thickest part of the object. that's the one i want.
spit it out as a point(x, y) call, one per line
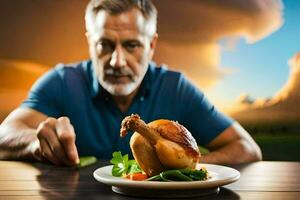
point(46, 94)
point(199, 116)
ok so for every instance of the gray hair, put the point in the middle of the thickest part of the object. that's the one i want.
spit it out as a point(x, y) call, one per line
point(115, 7)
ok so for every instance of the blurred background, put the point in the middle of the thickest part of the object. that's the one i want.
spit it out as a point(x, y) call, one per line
point(242, 54)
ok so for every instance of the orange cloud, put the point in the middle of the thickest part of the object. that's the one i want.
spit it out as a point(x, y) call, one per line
point(44, 32)
point(16, 78)
point(290, 91)
point(189, 31)
point(281, 107)
point(16, 74)
point(198, 61)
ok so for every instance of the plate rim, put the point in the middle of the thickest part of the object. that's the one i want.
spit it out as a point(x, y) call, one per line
point(210, 183)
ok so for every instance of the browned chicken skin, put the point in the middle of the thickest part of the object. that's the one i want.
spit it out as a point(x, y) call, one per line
point(160, 145)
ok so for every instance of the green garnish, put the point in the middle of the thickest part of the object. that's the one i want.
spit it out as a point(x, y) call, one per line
point(86, 161)
point(181, 175)
point(123, 166)
point(196, 174)
point(174, 175)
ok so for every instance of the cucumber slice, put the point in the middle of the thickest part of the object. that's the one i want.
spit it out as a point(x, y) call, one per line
point(85, 161)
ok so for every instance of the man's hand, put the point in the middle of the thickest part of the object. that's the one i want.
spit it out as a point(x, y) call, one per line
point(57, 141)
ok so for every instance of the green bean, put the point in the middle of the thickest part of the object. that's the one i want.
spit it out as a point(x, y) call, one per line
point(174, 175)
point(186, 171)
point(195, 174)
point(180, 175)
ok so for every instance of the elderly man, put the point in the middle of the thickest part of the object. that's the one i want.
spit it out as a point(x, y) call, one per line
point(88, 100)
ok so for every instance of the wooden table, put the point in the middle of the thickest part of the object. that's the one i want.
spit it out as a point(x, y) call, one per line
point(21, 180)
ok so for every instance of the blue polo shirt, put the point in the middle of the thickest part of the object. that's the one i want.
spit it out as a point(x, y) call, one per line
point(74, 91)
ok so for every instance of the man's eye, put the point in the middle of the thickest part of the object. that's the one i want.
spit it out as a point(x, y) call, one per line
point(105, 46)
point(131, 46)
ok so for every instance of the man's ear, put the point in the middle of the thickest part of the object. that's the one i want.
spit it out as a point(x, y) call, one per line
point(153, 45)
point(154, 41)
point(87, 35)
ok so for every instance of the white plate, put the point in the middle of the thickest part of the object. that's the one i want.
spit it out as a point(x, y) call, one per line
point(219, 175)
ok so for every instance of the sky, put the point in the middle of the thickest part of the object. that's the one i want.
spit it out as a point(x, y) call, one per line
point(228, 48)
point(259, 69)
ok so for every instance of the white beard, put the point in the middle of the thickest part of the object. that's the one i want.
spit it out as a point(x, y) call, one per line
point(119, 89)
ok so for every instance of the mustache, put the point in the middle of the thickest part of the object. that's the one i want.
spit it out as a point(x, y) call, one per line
point(118, 72)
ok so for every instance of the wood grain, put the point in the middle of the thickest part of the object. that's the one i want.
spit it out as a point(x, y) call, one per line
point(35, 181)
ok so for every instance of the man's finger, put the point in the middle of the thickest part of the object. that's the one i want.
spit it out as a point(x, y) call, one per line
point(66, 136)
point(51, 121)
point(56, 147)
point(47, 153)
point(46, 131)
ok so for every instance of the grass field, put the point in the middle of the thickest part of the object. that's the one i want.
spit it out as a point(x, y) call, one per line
point(279, 147)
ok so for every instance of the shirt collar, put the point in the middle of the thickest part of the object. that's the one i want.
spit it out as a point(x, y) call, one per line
point(96, 89)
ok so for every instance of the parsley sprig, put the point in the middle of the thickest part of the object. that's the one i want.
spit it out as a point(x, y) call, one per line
point(123, 166)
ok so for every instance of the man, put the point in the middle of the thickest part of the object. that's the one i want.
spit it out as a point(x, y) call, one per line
point(88, 100)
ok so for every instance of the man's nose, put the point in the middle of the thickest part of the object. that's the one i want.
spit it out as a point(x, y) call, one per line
point(118, 58)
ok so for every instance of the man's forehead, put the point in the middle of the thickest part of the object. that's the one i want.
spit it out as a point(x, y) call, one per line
point(130, 20)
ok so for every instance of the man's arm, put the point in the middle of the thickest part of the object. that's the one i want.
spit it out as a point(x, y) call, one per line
point(18, 137)
point(29, 134)
point(234, 145)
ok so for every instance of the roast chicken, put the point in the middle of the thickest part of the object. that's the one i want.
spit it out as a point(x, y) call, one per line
point(160, 145)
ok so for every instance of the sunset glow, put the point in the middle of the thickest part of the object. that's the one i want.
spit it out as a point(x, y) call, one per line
point(234, 50)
